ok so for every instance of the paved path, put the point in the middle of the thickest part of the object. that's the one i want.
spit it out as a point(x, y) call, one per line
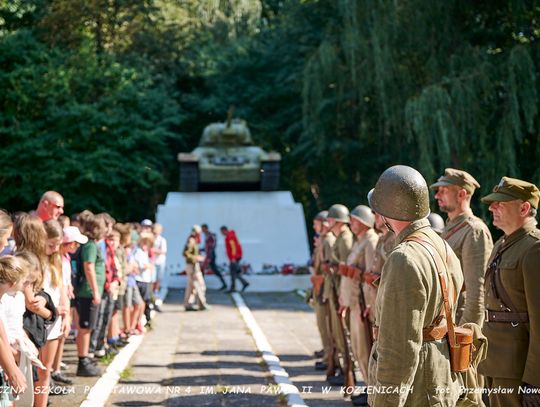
point(196, 359)
point(289, 326)
point(209, 358)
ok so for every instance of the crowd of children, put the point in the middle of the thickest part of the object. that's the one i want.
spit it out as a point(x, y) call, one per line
point(86, 275)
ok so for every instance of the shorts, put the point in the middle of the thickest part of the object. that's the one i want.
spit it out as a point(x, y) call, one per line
point(88, 313)
point(132, 296)
point(145, 290)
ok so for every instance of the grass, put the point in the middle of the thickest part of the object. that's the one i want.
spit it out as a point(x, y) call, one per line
point(126, 374)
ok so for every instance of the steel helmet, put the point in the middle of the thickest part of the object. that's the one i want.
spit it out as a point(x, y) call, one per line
point(436, 222)
point(322, 215)
point(364, 214)
point(339, 212)
point(401, 193)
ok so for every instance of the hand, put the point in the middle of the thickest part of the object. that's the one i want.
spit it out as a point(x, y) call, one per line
point(342, 311)
point(17, 381)
point(531, 396)
point(70, 292)
point(96, 298)
point(37, 303)
point(66, 326)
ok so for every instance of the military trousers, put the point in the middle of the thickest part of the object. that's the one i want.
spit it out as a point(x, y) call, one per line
point(359, 340)
point(321, 313)
point(498, 398)
point(195, 287)
point(336, 327)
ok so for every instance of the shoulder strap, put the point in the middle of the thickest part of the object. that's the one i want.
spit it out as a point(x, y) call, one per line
point(440, 266)
point(457, 228)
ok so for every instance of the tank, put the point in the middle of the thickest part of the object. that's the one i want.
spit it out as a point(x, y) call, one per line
point(227, 158)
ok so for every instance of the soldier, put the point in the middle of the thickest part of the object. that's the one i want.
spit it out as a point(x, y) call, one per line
point(195, 286)
point(320, 226)
point(338, 222)
point(512, 285)
point(361, 256)
point(468, 236)
point(410, 361)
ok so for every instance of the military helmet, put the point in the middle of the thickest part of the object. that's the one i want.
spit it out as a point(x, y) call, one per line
point(364, 214)
point(339, 212)
point(322, 215)
point(436, 222)
point(401, 193)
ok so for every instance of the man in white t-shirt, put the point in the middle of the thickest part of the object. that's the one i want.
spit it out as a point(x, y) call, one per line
point(160, 251)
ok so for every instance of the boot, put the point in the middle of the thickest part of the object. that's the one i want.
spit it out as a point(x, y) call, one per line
point(87, 368)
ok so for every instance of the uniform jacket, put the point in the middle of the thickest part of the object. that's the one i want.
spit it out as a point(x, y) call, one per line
point(191, 251)
point(329, 240)
point(385, 245)
point(470, 239)
point(514, 352)
point(340, 253)
point(409, 299)
point(233, 247)
point(361, 255)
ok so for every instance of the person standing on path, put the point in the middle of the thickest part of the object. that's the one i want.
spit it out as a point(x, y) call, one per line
point(195, 287)
point(468, 236)
point(234, 253)
point(410, 359)
point(512, 324)
point(210, 242)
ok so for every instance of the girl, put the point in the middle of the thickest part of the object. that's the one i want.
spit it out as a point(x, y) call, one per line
point(12, 276)
point(30, 235)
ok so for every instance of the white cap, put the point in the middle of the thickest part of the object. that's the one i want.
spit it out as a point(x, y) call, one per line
point(196, 229)
point(146, 222)
point(73, 234)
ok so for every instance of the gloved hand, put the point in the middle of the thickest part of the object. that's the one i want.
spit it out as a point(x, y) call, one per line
point(531, 396)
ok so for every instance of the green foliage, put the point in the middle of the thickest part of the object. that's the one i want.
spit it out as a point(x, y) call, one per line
point(97, 133)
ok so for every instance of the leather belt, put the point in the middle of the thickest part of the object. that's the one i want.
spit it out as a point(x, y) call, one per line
point(429, 334)
point(507, 317)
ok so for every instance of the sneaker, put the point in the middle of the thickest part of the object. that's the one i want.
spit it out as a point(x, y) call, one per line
point(100, 353)
point(190, 308)
point(87, 369)
point(245, 286)
point(58, 377)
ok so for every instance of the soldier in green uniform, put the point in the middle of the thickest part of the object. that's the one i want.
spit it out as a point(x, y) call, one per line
point(338, 220)
point(410, 362)
point(320, 226)
point(512, 284)
point(361, 257)
point(468, 236)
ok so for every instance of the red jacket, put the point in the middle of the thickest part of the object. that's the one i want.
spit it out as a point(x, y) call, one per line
point(233, 247)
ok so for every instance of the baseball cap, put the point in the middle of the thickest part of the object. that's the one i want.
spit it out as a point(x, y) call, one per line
point(146, 222)
point(73, 234)
point(509, 189)
point(457, 177)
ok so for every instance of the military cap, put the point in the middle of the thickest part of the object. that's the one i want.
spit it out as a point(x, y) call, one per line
point(457, 177)
point(511, 188)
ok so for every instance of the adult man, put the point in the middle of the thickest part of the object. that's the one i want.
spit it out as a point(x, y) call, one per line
point(468, 236)
point(320, 227)
point(195, 287)
point(210, 242)
point(234, 253)
point(410, 361)
point(51, 206)
point(354, 289)
point(512, 285)
point(338, 221)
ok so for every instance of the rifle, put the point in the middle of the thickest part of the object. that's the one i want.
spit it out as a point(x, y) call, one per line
point(352, 370)
point(347, 358)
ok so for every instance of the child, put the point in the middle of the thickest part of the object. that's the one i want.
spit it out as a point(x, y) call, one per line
point(12, 276)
